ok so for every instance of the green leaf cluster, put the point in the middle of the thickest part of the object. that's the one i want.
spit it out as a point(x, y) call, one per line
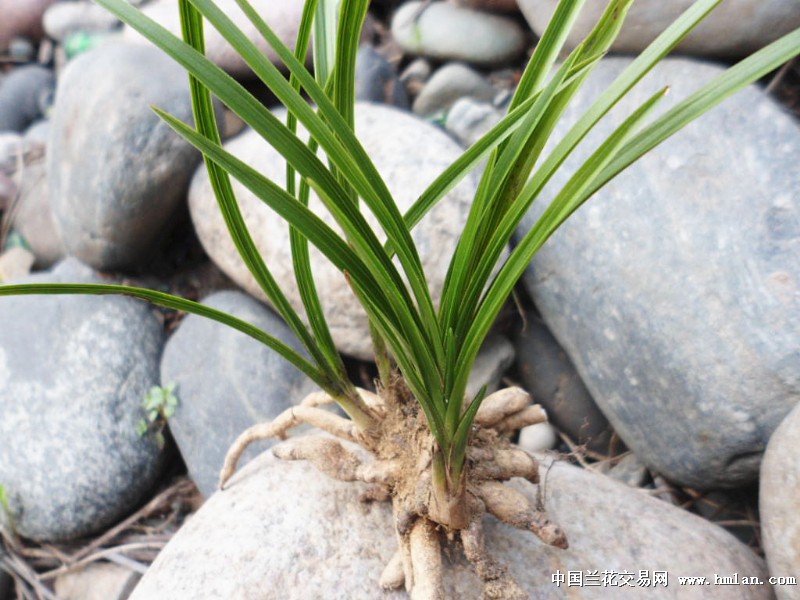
point(434, 347)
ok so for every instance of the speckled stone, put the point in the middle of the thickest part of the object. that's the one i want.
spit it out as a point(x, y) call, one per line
point(675, 289)
point(227, 382)
point(311, 537)
point(73, 373)
point(410, 154)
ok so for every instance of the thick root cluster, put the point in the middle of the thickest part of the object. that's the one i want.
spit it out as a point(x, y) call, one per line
point(402, 471)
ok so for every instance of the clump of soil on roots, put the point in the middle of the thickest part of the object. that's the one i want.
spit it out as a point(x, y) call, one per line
point(427, 516)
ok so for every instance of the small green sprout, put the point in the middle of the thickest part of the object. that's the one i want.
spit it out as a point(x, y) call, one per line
point(159, 405)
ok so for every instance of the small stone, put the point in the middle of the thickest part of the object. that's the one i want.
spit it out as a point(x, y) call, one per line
point(38, 132)
point(377, 81)
point(445, 31)
point(227, 382)
point(21, 19)
point(674, 289)
point(73, 373)
point(469, 120)
point(779, 503)
point(64, 18)
point(448, 84)
point(494, 359)
point(415, 75)
point(393, 140)
point(15, 263)
point(117, 183)
point(549, 375)
point(313, 538)
point(735, 28)
point(283, 16)
point(536, 438)
point(630, 471)
point(97, 581)
point(22, 49)
point(24, 96)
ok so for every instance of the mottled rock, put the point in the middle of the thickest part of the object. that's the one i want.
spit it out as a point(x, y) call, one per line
point(313, 538)
point(468, 120)
point(65, 18)
point(283, 16)
point(494, 359)
point(227, 382)
point(117, 182)
point(24, 96)
point(446, 31)
point(377, 81)
point(97, 581)
point(549, 375)
point(735, 28)
point(21, 19)
point(674, 291)
point(394, 141)
point(779, 502)
point(448, 84)
point(73, 372)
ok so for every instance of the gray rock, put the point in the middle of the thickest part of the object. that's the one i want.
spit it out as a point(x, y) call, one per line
point(415, 75)
point(735, 28)
point(494, 359)
point(117, 182)
point(394, 141)
point(313, 538)
point(674, 291)
point(24, 96)
point(630, 471)
point(549, 375)
point(97, 581)
point(227, 382)
point(21, 19)
point(38, 131)
point(73, 373)
point(64, 18)
point(445, 31)
point(33, 215)
point(779, 503)
point(468, 120)
point(283, 16)
point(377, 81)
point(448, 84)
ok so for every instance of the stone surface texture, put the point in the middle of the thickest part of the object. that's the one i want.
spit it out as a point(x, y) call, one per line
point(735, 28)
point(408, 152)
point(117, 182)
point(227, 382)
point(675, 289)
point(779, 503)
point(448, 84)
point(446, 31)
point(24, 95)
point(73, 373)
point(311, 537)
point(97, 581)
point(283, 16)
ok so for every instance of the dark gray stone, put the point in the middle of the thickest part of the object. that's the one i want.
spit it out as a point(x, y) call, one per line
point(24, 96)
point(117, 173)
point(377, 81)
point(226, 382)
point(550, 377)
point(6, 584)
point(674, 291)
point(73, 373)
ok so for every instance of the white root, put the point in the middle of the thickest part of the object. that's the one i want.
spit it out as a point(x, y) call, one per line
point(530, 415)
point(277, 428)
point(393, 576)
point(512, 507)
point(499, 405)
point(502, 464)
point(498, 583)
point(426, 561)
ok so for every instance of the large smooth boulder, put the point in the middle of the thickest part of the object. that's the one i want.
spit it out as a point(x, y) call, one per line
point(73, 373)
point(407, 151)
point(117, 173)
point(226, 382)
point(284, 530)
point(674, 290)
point(735, 28)
point(779, 503)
